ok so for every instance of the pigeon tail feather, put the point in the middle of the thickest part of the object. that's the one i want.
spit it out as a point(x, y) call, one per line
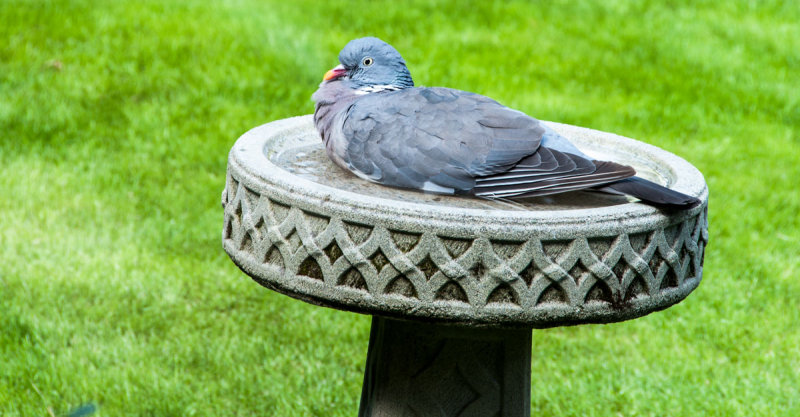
point(652, 193)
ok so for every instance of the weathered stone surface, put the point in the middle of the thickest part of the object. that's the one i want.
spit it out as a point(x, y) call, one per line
point(314, 232)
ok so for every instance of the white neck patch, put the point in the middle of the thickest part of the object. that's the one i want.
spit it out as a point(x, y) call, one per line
point(376, 88)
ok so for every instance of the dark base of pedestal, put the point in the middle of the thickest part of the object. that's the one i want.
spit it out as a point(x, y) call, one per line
point(421, 369)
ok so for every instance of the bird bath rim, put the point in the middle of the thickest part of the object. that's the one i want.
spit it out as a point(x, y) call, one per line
point(249, 155)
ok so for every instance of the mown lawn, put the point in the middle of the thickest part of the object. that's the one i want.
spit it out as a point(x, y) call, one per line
point(115, 123)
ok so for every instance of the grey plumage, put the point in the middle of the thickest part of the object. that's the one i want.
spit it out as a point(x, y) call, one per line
point(375, 124)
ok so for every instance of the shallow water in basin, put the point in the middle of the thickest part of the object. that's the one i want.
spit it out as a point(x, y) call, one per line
point(309, 161)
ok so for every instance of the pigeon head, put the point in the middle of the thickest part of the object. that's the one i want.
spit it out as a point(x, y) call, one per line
point(371, 65)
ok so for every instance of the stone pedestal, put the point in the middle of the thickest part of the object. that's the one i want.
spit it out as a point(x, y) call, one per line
point(423, 369)
point(301, 226)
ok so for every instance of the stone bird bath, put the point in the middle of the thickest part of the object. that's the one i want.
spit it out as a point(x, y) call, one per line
point(456, 284)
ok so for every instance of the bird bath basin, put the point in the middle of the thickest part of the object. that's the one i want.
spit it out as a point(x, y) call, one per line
point(456, 284)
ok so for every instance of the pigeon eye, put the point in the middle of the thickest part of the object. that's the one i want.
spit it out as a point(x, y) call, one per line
point(367, 61)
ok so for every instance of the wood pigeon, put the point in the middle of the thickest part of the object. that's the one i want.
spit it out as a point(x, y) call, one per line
point(377, 125)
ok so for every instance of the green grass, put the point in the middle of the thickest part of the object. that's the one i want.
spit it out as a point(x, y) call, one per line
point(115, 123)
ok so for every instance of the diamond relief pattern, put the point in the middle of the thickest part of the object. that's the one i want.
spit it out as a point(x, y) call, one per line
point(429, 268)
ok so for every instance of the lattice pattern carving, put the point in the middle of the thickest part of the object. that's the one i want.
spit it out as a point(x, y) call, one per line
point(481, 273)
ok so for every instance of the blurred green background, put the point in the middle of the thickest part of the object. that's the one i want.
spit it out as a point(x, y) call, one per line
point(115, 123)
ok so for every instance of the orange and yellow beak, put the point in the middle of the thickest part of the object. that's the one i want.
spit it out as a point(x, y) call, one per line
point(334, 73)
